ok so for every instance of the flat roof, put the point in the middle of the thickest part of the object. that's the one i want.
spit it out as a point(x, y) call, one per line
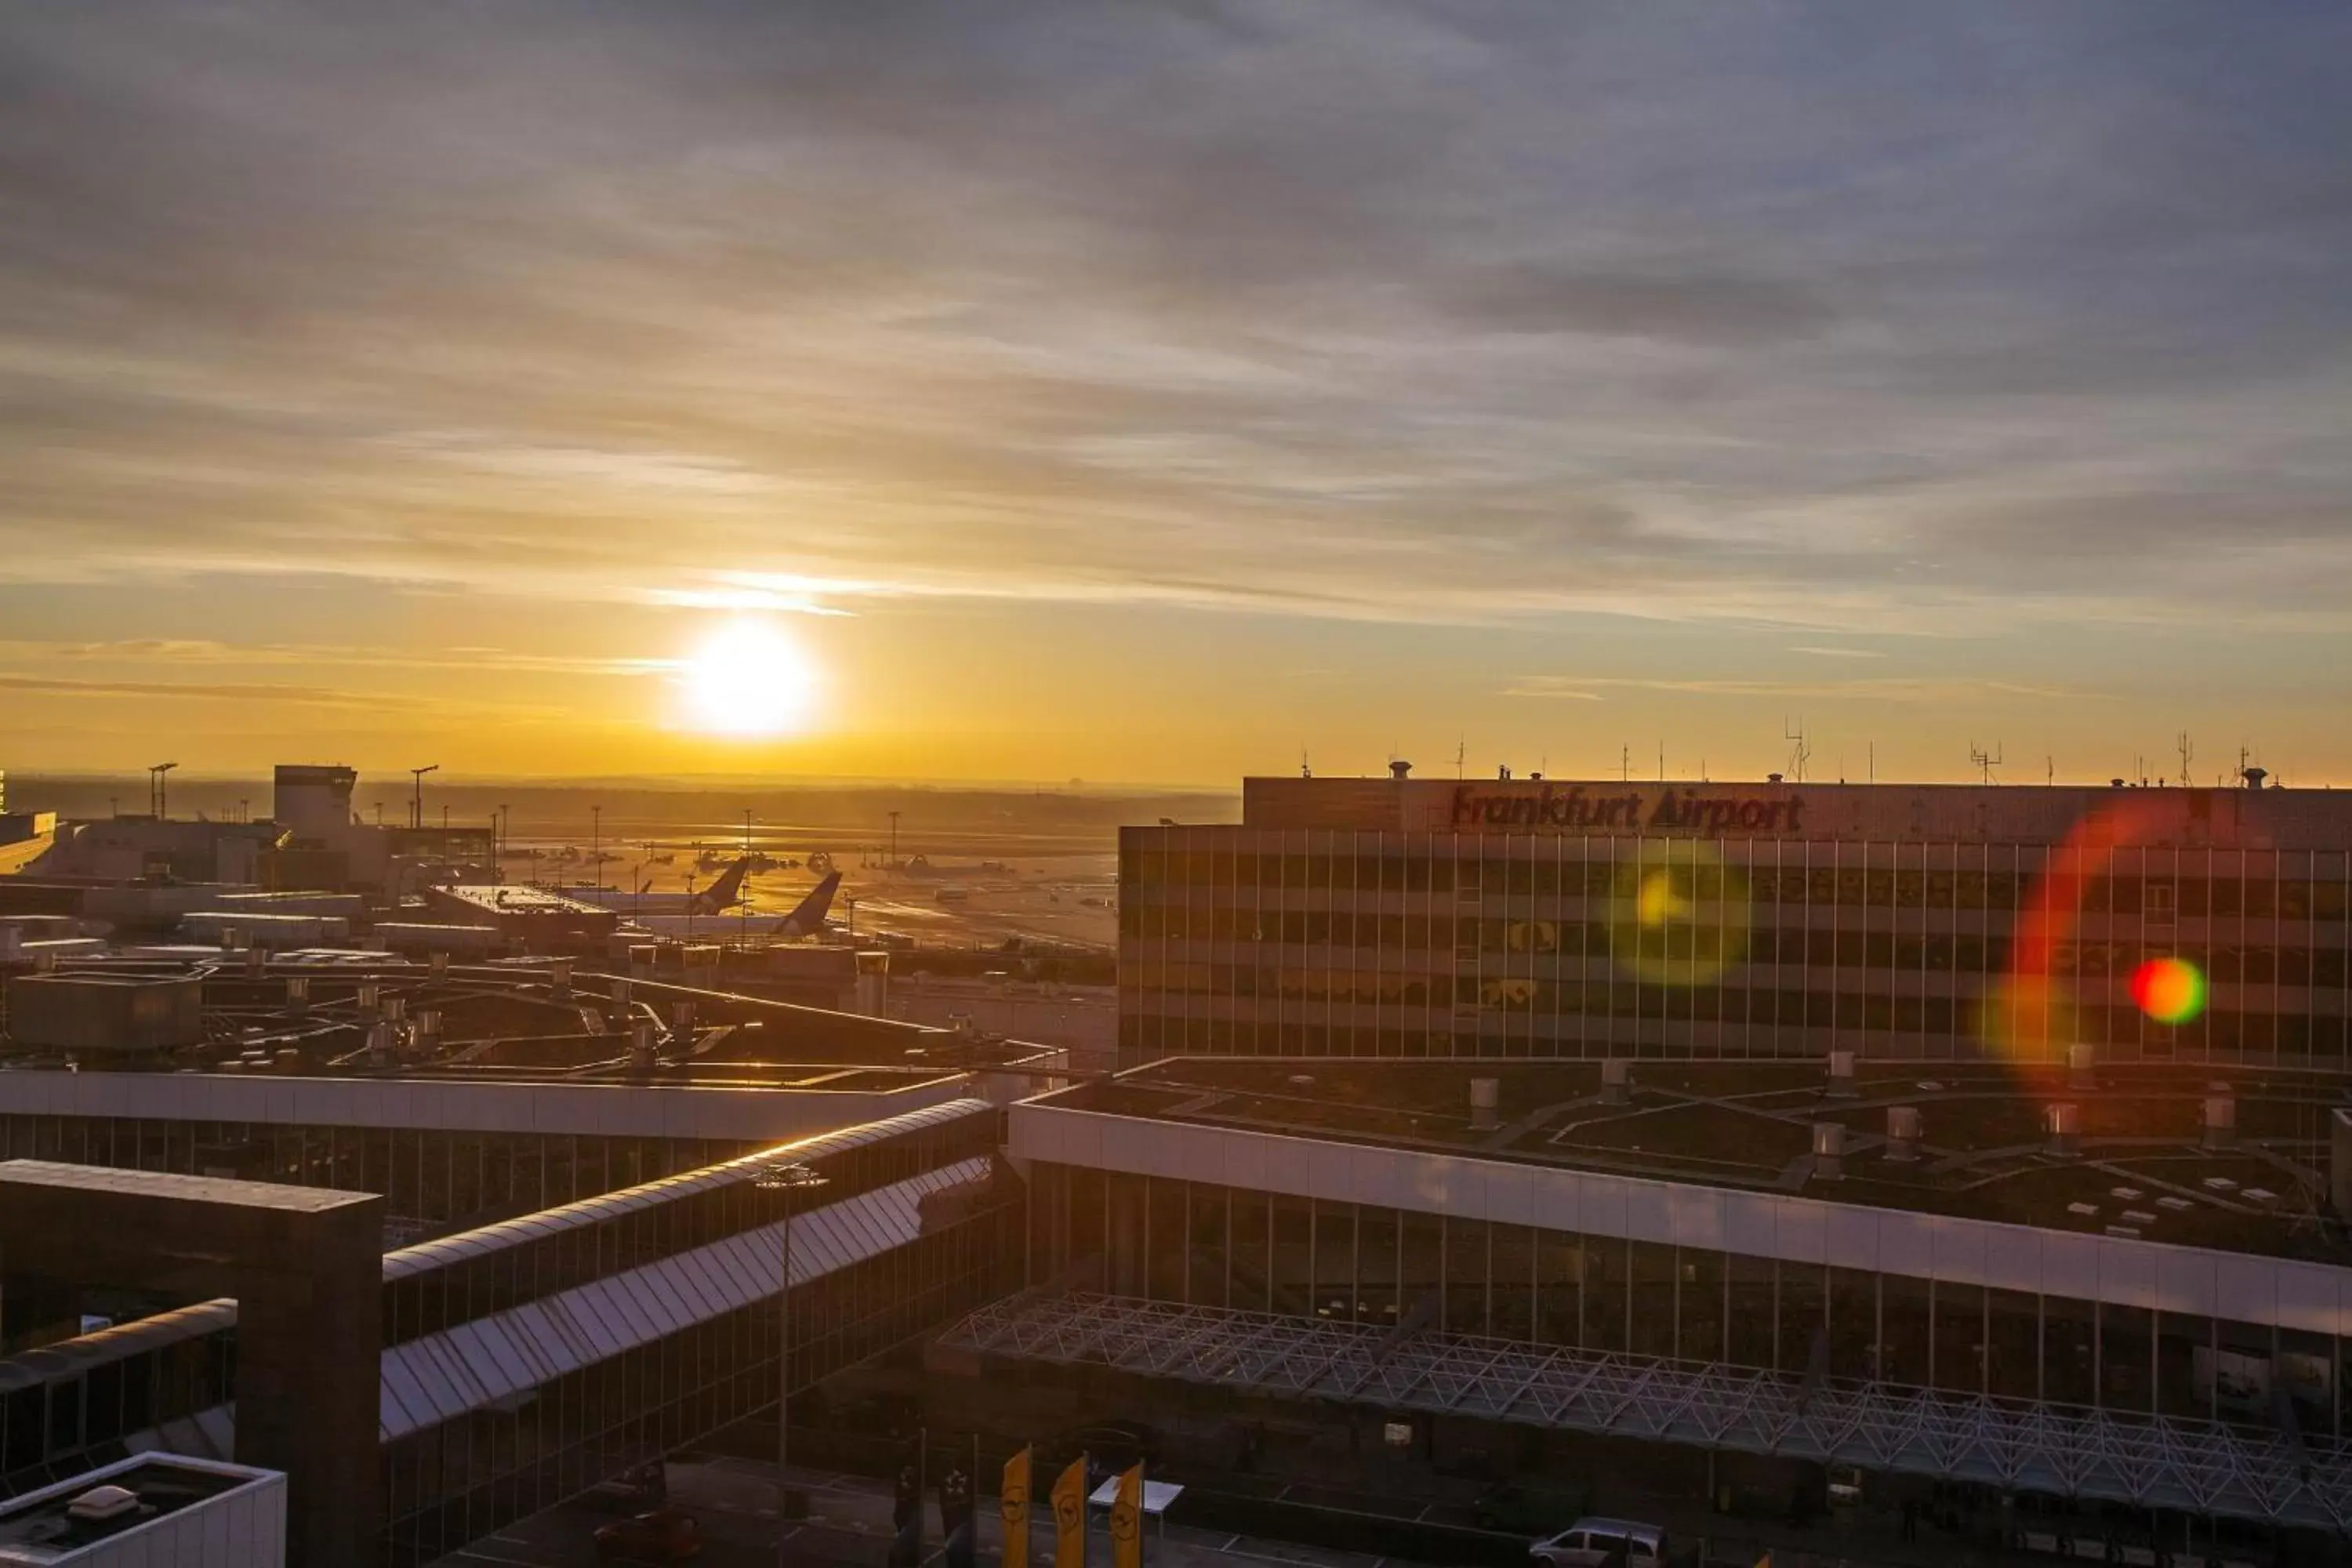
point(2142, 1170)
point(518, 899)
point(167, 1184)
point(40, 1526)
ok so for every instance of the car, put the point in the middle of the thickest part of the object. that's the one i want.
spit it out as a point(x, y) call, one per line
point(666, 1534)
point(634, 1490)
point(1603, 1543)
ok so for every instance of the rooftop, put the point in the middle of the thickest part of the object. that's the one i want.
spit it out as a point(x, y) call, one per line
point(2142, 1168)
point(517, 898)
point(385, 1017)
point(42, 1527)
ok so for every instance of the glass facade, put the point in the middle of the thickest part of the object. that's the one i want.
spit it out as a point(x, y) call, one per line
point(458, 1481)
point(64, 1415)
point(1404, 945)
point(66, 1409)
point(567, 1246)
point(1697, 1305)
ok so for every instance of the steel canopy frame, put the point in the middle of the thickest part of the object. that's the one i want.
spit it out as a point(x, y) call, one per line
point(2153, 1461)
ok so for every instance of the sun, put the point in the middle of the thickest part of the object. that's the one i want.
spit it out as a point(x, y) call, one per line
point(749, 678)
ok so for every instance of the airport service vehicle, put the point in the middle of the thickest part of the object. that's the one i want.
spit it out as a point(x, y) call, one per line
point(1603, 1543)
point(666, 1534)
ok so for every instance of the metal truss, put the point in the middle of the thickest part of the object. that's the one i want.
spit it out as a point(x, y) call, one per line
point(2148, 1460)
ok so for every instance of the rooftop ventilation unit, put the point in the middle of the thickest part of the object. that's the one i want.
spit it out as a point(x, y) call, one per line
point(1485, 1103)
point(100, 1504)
point(1829, 1150)
point(2064, 1124)
point(2340, 1160)
point(1400, 770)
point(1841, 1074)
point(297, 994)
point(1616, 1082)
point(1902, 1132)
point(2221, 1122)
point(2082, 1065)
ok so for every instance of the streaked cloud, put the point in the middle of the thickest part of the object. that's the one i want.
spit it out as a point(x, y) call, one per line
point(1893, 688)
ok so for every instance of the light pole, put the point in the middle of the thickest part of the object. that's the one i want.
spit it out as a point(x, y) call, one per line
point(786, 1177)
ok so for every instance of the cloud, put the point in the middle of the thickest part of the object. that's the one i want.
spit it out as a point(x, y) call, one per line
point(1893, 688)
point(1441, 317)
point(189, 651)
point(1839, 652)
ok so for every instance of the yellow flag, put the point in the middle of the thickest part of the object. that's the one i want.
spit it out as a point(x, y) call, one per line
point(1013, 1504)
point(1070, 1515)
point(1127, 1521)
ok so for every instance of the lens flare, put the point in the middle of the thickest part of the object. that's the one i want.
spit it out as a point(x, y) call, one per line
point(1678, 915)
point(1657, 902)
point(2169, 990)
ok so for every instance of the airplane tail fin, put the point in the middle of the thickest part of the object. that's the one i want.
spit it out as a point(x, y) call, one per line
point(808, 918)
point(726, 892)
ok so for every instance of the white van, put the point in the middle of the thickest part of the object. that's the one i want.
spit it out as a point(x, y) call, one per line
point(1603, 1543)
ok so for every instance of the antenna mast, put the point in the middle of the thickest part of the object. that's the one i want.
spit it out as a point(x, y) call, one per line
point(1984, 760)
point(1799, 755)
point(2188, 750)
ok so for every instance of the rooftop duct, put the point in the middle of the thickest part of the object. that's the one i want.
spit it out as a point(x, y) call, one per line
point(2064, 1124)
point(1902, 1132)
point(1829, 1150)
point(2340, 1160)
point(1841, 1074)
point(2221, 1123)
point(1485, 1103)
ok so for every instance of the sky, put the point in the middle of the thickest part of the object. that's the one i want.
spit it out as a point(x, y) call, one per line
point(1167, 393)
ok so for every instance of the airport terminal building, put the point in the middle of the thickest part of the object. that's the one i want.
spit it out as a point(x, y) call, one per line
point(1402, 917)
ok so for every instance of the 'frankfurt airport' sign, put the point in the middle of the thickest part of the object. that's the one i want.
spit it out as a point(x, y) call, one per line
point(1635, 809)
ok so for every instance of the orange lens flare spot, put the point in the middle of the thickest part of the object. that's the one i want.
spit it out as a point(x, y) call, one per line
point(2168, 990)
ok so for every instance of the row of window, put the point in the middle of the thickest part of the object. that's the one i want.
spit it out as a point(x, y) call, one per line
point(1221, 1246)
point(1664, 1022)
point(2194, 883)
point(1713, 947)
